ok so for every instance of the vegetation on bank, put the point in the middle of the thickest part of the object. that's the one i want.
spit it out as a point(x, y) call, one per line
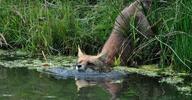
point(59, 26)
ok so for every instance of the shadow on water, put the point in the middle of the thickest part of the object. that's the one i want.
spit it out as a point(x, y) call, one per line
point(24, 84)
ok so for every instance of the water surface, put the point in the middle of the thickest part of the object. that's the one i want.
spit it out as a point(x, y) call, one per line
point(24, 84)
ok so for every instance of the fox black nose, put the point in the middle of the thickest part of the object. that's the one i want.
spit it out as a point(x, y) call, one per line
point(79, 66)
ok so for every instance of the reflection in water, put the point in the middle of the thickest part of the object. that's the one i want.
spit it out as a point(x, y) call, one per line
point(143, 88)
point(110, 86)
point(23, 84)
point(132, 87)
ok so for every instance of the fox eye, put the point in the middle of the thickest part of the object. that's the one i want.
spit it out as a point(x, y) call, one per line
point(90, 64)
point(79, 62)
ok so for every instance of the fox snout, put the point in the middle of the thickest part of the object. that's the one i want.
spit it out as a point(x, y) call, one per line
point(80, 67)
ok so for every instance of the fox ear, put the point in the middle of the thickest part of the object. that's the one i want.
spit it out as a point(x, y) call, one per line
point(102, 56)
point(80, 53)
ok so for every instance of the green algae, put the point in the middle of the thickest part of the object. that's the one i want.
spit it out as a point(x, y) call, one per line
point(172, 80)
point(32, 63)
point(19, 59)
point(187, 90)
point(148, 70)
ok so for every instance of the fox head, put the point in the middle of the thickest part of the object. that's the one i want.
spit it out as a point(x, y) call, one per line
point(90, 61)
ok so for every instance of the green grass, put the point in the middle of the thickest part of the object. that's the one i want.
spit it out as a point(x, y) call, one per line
point(59, 26)
point(176, 48)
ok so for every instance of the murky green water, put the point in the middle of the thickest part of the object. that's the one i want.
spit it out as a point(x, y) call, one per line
point(24, 84)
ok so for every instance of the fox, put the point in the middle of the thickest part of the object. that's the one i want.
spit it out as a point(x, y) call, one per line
point(118, 44)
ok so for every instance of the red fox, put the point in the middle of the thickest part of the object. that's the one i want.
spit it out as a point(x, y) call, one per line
point(118, 45)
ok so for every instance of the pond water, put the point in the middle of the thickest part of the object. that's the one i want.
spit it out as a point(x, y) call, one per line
point(24, 84)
